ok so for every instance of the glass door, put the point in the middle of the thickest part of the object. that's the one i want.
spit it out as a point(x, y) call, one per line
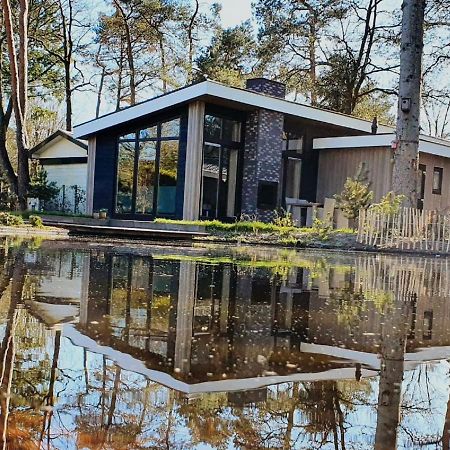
point(220, 167)
point(219, 181)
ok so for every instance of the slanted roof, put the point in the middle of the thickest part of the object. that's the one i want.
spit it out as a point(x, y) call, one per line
point(427, 144)
point(53, 138)
point(213, 90)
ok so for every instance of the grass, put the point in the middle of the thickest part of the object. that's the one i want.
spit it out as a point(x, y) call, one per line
point(237, 227)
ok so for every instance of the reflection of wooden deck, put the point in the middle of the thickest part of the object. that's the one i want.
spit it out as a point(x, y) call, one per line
point(125, 228)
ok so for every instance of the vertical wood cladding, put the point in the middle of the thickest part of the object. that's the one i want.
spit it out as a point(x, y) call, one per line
point(105, 172)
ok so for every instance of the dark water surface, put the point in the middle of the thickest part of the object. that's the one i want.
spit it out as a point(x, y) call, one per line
point(114, 347)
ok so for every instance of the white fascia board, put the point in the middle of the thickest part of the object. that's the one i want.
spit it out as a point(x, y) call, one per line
point(430, 147)
point(142, 109)
point(291, 108)
point(213, 89)
point(373, 140)
point(427, 144)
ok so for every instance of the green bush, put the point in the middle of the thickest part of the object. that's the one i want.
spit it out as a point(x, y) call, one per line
point(390, 204)
point(9, 219)
point(36, 221)
point(356, 194)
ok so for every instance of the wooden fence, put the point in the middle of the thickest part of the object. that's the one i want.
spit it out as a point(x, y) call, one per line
point(408, 229)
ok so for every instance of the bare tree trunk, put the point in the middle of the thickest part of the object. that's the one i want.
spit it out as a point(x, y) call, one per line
point(66, 31)
point(5, 117)
point(129, 50)
point(100, 91)
point(406, 155)
point(312, 59)
point(120, 76)
point(19, 91)
point(163, 62)
point(191, 42)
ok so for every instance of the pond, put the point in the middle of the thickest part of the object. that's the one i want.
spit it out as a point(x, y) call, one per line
point(107, 346)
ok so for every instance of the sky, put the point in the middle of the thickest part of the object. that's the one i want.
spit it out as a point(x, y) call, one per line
point(233, 11)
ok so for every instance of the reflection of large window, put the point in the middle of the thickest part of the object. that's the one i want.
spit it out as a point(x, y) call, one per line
point(147, 170)
point(220, 165)
point(143, 292)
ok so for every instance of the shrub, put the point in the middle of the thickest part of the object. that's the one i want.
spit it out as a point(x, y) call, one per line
point(36, 221)
point(356, 194)
point(322, 228)
point(283, 219)
point(10, 219)
point(389, 204)
point(40, 187)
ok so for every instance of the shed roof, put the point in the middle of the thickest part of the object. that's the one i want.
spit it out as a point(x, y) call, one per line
point(214, 90)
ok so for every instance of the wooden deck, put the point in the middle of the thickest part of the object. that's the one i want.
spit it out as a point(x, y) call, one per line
point(123, 228)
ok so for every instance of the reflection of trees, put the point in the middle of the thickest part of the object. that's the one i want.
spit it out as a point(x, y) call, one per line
point(207, 421)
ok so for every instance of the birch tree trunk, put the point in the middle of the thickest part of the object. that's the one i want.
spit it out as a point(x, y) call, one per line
point(406, 155)
point(19, 91)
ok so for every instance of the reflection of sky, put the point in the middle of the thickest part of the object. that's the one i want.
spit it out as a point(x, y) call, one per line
point(424, 387)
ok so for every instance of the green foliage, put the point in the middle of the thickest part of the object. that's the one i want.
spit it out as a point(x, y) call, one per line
point(283, 219)
point(36, 221)
point(40, 187)
point(9, 219)
point(356, 194)
point(389, 204)
point(323, 228)
point(229, 56)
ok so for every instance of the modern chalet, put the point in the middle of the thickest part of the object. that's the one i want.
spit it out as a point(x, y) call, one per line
point(211, 151)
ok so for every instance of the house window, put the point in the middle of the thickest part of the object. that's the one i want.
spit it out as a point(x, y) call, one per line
point(147, 170)
point(267, 195)
point(437, 180)
point(293, 142)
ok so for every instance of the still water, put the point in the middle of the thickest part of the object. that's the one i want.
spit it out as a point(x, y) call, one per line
point(114, 347)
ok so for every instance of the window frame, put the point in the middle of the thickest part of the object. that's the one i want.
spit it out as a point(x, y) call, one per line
point(124, 137)
point(440, 172)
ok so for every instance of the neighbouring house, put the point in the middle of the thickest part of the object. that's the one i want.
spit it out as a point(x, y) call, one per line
point(64, 158)
point(210, 151)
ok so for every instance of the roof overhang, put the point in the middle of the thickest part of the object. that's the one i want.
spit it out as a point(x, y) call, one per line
point(427, 144)
point(213, 90)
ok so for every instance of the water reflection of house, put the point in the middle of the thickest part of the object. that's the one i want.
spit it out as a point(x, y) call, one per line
point(204, 322)
point(200, 326)
point(55, 297)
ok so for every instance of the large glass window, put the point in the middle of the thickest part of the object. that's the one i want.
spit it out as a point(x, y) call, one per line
point(147, 170)
point(125, 177)
point(146, 177)
point(220, 166)
point(168, 175)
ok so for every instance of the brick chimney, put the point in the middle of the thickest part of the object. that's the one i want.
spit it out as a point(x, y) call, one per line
point(266, 86)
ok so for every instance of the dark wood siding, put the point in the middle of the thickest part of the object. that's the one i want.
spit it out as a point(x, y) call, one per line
point(105, 172)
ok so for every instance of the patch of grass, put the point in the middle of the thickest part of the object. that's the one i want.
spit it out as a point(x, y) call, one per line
point(236, 227)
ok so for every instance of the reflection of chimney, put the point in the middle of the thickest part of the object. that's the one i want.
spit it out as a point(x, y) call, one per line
point(266, 86)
